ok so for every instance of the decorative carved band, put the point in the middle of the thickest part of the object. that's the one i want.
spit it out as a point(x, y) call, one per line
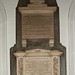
point(55, 66)
point(20, 66)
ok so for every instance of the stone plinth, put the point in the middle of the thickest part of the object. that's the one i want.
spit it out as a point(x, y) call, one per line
point(38, 62)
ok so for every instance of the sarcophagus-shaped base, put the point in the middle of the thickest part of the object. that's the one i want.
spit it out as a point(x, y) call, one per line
point(38, 62)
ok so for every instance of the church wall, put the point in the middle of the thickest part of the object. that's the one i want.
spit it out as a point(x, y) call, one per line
point(10, 6)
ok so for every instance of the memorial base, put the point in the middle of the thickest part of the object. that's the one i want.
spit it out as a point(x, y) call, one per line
point(38, 62)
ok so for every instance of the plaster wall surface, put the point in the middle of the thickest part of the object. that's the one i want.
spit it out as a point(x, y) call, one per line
point(71, 42)
point(10, 6)
point(3, 40)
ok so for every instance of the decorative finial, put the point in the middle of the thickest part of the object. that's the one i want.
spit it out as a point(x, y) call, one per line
point(37, 1)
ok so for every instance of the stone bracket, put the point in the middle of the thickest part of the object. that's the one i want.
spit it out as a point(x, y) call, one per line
point(24, 43)
point(51, 42)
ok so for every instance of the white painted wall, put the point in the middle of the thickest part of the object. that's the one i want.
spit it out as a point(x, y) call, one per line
point(10, 6)
point(64, 6)
point(72, 37)
point(3, 40)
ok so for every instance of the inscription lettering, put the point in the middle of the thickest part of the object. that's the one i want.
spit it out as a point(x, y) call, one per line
point(38, 66)
point(37, 26)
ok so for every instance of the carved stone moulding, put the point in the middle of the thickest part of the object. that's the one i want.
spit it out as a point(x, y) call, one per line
point(38, 62)
point(37, 23)
point(37, 1)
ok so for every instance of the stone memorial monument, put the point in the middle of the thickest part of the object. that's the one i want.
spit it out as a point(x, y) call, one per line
point(37, 21)
point(37, 50)
point(38, 62)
